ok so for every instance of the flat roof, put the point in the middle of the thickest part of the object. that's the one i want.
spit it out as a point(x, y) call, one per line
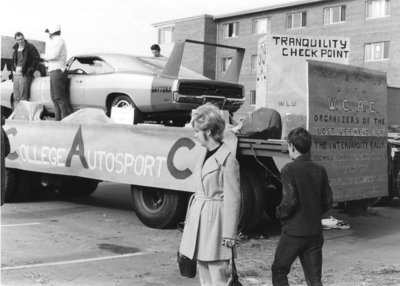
point(268, 8)
point(240, 13)
point(171, 22)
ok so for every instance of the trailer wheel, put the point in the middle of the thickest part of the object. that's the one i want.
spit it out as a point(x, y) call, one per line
point(246, 203)
point(124, 101)
point(257, 198)
point(396, 175)
point(77, 186)
point(273, 197)
point(398, 183)
point(9, 184)
point(158, 208)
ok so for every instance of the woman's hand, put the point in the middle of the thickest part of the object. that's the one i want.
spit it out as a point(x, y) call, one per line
point(228, 242)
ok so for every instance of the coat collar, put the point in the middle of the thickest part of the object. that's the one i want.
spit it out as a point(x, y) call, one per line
point(304, 157)
point(215, 161)
point(15, 47)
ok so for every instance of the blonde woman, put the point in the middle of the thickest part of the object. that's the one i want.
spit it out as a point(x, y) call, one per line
point(213, 216)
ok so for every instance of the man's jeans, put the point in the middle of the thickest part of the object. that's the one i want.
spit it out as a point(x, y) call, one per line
point(21, 88)
point(59, 95)
point(308, 249)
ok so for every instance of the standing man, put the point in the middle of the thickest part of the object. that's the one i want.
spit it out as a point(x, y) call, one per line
point(56, 56)
point(306, 196)
point(5, 150)
point(156, 50)
point(25, 62)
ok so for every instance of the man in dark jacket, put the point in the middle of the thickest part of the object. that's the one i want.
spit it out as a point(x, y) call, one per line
point(25, 62)
point(306, 196)
point(5, 150)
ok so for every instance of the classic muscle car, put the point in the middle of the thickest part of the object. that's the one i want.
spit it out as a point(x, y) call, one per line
point(158, 89)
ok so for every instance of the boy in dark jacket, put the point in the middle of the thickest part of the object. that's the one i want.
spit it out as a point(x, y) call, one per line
point(306, 197)
point(25, 61)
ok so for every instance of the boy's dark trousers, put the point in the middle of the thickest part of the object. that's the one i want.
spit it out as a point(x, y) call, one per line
point(308, 249)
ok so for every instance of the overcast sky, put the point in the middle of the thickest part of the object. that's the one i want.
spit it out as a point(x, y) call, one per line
point(109, 25)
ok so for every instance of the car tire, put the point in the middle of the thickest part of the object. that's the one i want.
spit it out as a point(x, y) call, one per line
point(125, 101)
point(158, 208)
point(77, 187)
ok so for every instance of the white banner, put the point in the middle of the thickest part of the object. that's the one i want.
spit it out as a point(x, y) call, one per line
point(147, 155)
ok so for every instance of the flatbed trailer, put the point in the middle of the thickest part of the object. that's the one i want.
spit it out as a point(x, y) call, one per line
point(350, 139)
point(161, 180)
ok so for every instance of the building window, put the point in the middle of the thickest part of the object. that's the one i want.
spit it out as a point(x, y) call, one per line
point(166, 35)
point(261, 25)
point(377, 9)
point(334, 15)
point(296, 20)
point(376, 51)
point(225, 64)
point(252, 97)
point(230, 30)
point(253, 62)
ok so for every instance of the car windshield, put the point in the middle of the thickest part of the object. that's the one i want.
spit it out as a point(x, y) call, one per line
point(146, 65)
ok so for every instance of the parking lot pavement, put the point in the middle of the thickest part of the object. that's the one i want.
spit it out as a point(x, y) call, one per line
point(91, 241)
point(98, 240)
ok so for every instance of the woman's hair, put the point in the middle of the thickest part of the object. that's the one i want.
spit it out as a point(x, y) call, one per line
point(300, 138)
point(208, 117)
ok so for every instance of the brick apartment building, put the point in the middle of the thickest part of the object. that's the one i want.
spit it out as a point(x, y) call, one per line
point(373, 27)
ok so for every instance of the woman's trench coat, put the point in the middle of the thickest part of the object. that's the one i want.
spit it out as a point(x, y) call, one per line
point(213, 212)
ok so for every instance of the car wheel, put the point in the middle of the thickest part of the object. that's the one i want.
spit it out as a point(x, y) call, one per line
point(124, 101)
point(158, 208)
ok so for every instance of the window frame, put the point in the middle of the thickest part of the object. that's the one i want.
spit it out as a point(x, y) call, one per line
point(370, 48)
point(253, 67)
point(303, 20)
point(161, 35)
point(256, 20)
point(225, 63)
point(235, 28)
point(253, 97)
point(331, 20)
point(373, 12)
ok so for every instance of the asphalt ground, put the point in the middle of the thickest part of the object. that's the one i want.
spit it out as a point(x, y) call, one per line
point(98, 240)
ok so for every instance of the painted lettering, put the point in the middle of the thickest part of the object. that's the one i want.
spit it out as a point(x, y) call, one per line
point(176, 173)
point(78, 148)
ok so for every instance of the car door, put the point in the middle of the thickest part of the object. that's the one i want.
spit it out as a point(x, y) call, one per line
point(77, 74)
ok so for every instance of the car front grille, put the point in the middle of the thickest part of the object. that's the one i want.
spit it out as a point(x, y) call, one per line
point(211, 89)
